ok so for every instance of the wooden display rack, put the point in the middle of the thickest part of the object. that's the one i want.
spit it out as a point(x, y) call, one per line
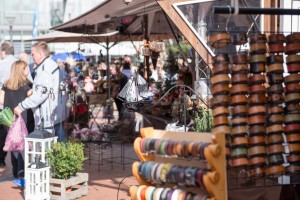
point(214, 181)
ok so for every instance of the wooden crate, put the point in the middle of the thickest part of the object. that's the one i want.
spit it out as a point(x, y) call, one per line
point(78, 184)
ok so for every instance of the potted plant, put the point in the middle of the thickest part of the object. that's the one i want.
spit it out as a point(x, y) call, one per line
point(66, 161)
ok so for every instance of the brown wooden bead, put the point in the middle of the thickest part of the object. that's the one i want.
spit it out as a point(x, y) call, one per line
point(257, 109)
point(257, 79)
point(275, 129)
point(275, 89)
point(219, 100)
point(292, 78)
point(220, 68)
point(239, 141)
point(274, 139)
point(239, 79)
point(220, 120)
point(256, 140)
point(294, 147)
point(239, 69)
point(239, 110)
point(219, 40)
point(240, 59)
point(294, 137)
point(258, 160)
point(276, 38)
point(239, 99)
point(239, 131)
point(258, 37)
point(257, 99)
point(275, 109)
point(257, 130)
point(256, 120)
point(239, 89)
point(239, 162)
point(220, 110)
point(293, 37)
point(239, 121)
point(275, 149)
point(275, 170)
point(256, 151)
point(275, 47)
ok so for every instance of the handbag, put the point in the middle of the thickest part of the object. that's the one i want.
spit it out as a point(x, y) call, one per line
point(16, 134)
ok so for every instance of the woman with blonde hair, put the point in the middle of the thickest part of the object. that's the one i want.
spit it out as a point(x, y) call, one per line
point(15, 90)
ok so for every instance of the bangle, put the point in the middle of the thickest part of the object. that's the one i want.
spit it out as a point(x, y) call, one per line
point(239, 89)
point(257, 88)
point(272, 58)
point(239, 131)
point(292, 78)
point(293, 158)
point(257, 109)
point(275, 89)
point(257, 140)
point(258, 58)
point(275, 78)
point(275, 149)
point(275, 119)
point(149, 192)
point(240, 59)
point(257, 67)
point(275, 109)
point(239, 79)
point(258, 170)
point(276, 47)
point(239, 141)
point(239, 110)
point(292, 128)
point(275, 98)
point(292, 98)
point(256, 151)
point(238, 152)
point(275, 68)
point(294, 37)
point(274, 139)
point(277, 170)
point(239, 121)
point(293, 168)
point(294, 58)
point(294, 147)
point(220, 120)
point(257, 79)
point(256, 99)
point(258, 37)
point(219, 100)
point(293, 67)
point(219, 40)
point(275, 128)
point(221, 58)
point(256, 120)
point(238, 38)
point(258, 160)
point(221, 129)
point(240, 68)
point(258, 48)
point(239, 162)
point(293, 137)
point(276, 38)
point(291, 118)
point(220, 89)
point(292, 87)
point(292, 48)
point(220, 68)
point(257, 130)
point(220, 79)
point(275, 159)
point(292, 107)
point(239, 99)
point(220, 110)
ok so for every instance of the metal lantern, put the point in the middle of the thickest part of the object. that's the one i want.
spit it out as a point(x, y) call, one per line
point(145, 50)
point(159, 46)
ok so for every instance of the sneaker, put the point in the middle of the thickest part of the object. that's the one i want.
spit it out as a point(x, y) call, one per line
point(19, 182)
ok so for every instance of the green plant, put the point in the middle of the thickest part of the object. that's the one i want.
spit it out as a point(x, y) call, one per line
point(66, 159)
point(203, 120)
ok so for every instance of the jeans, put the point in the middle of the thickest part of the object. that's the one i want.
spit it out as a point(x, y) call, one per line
point(60, 132)
point(17, 162)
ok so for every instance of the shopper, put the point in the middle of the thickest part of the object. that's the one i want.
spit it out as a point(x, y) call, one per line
point(15, 90)
point(6, 54)
point(46, 99)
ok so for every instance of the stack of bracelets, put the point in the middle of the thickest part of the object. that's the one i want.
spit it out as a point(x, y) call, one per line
point(162, 173)
point(143, 192)
point(292, 99)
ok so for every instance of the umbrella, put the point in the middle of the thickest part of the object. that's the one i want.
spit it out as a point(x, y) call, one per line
point(63, 56)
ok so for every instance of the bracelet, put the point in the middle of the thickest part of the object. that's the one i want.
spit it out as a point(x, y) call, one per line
point(275, 159)
point(220, 120)
point(275, 128)
point(292, 78)
point(294, 147)
point(257, 88)
point(258, 48)
point(277, 170)
point(239, 131)
point(292, 128)
point(275, 89)
point(239, 162)
point(220, 68)
point(275, 98)
point(240, 59)
point(275, 68)
point(293, 37)
point(239, 79)
point(274, 139)
point(219, 40)
point(257, 109)
point(293, 67)
point(272, 58)
point(220, 89)
point(292, 48)
point(219, 100)
point(220, 79)
point(294, 58)
point(275, 149)
point(256, 99)
point(258, 160)
point(257, 67)
point(293, 137)
point(239, 141)
point(257, 130)
point(239, 110)
point(293, 168)
point(258, 170)
point(221, 58)
point(239, 89)
point(275, 119)
point(257, 58)
point(292, 98)
point(291, 118)
point(275, 78)
point(239, 69)
point(239, 99)
point(143, 193)
point(149, 192)
point(238, 152)
point(256, 151)
point(292, 108)
point(276, 37)
point(276, 47)
point(292, 87)
point(239, 121)
point(257, 79)
point(293, 158)
point(238, 38)
point(220, 110)
point(256, 120)
point(257, 140)
point(275, 109)
point(258, 37)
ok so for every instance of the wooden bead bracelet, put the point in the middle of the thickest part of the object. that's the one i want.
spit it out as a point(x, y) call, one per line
point(239, 110)
point(219, 100)
point(220, 89)
point(292, 78)
point(220, 110)
point(293, 67)
point(240, 59)
point(258, 48)
point(257, 79)
point(257, 99)
point(221, 59)
point(219, 40)
point(239, 79)
point(292, 108)
point(220, 79)
point(257, 170)
point(257, 58)
point(275, 149)
point(239, 121)
point(294, 37)
point(220, 68)
point(275, 159)
point(275, 78)
point(275, 119)
point(256, 120)
point(256, 68)
point(238, 38)
point(275, 129)
point(275, 68)
point(276, 38)
point(257, 89)
point(257, 110)
point(275, 109)
point(258, 37)
point(272, 58)
point(292, 98)
point(239, 69)
point(275, 170)
point(293, 158)
point(257, 130)
point(275, 89)
point(275, 47)
point(275, 98)
point(256, 151)
point(293, 58)
point(292, 48)
point(294, 137)
point(292, 128)
point(291, 118)
point(292, 88)
point(239, 162)
point(240, 130)
point(239, 89)
point(238, 152)
point(274, 139)
point(294, 147)
point(293, 168)
point(220, 120)
point(239, 99)
point(239, 141)
point(256, 140)
point(258, 160)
